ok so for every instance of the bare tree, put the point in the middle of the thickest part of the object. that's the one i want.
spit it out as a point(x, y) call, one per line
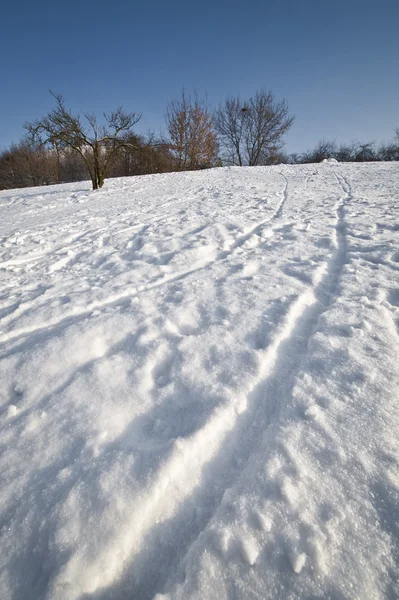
point(147, 154)
point(230, 125)
point(28, 163)
point(366, 152)
point(251, 131)
point(96, 144)
point(324, 149)
point(190, 128)
point(349, 152)
point(389, 151)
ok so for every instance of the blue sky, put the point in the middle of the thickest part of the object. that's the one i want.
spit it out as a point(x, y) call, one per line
point(336, 63)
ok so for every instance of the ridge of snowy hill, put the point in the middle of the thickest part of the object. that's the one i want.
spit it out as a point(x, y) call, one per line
point(199, 386)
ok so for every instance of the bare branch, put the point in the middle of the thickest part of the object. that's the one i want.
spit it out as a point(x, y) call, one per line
point(192, 137)
point(97, 148)
point(251, 131)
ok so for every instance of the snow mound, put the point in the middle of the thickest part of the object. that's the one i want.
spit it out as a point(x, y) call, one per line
point(331, 161)
point(198, 386)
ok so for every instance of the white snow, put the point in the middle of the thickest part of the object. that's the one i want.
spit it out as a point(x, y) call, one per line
point(199, 386)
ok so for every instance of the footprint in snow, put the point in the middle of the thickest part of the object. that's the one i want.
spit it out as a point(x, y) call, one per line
point(393, 297)
point(246, 270)
point(323, 242)
point(162, 371)
point(242, 548)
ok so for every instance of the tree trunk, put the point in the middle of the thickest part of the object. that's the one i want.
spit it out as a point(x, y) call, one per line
point(97, 174)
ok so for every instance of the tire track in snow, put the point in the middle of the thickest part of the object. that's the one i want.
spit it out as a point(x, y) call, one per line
point(199, 469)
point(80, 312)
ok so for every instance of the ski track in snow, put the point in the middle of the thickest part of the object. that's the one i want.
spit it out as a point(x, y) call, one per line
point(241, 423)
point(244, 422)
point(63, 262)
point(159, 361)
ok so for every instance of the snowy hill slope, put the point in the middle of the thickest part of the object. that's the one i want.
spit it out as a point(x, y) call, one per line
point(199, 386)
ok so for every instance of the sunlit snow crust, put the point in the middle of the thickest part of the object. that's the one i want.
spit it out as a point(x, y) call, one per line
point(199, 386)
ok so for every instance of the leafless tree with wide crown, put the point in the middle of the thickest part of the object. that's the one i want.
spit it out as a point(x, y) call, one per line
point(251, 131)
point(97, 144)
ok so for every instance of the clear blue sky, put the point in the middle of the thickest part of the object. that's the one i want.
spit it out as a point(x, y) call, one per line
point(336, 62)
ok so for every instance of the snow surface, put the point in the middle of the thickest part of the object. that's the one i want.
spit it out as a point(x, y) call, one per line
point(199, 386)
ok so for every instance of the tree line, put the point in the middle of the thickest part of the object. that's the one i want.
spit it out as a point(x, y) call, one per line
point(63, 147)
point(351, 152)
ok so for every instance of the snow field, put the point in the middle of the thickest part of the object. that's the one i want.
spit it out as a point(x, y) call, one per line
point(199, 386)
